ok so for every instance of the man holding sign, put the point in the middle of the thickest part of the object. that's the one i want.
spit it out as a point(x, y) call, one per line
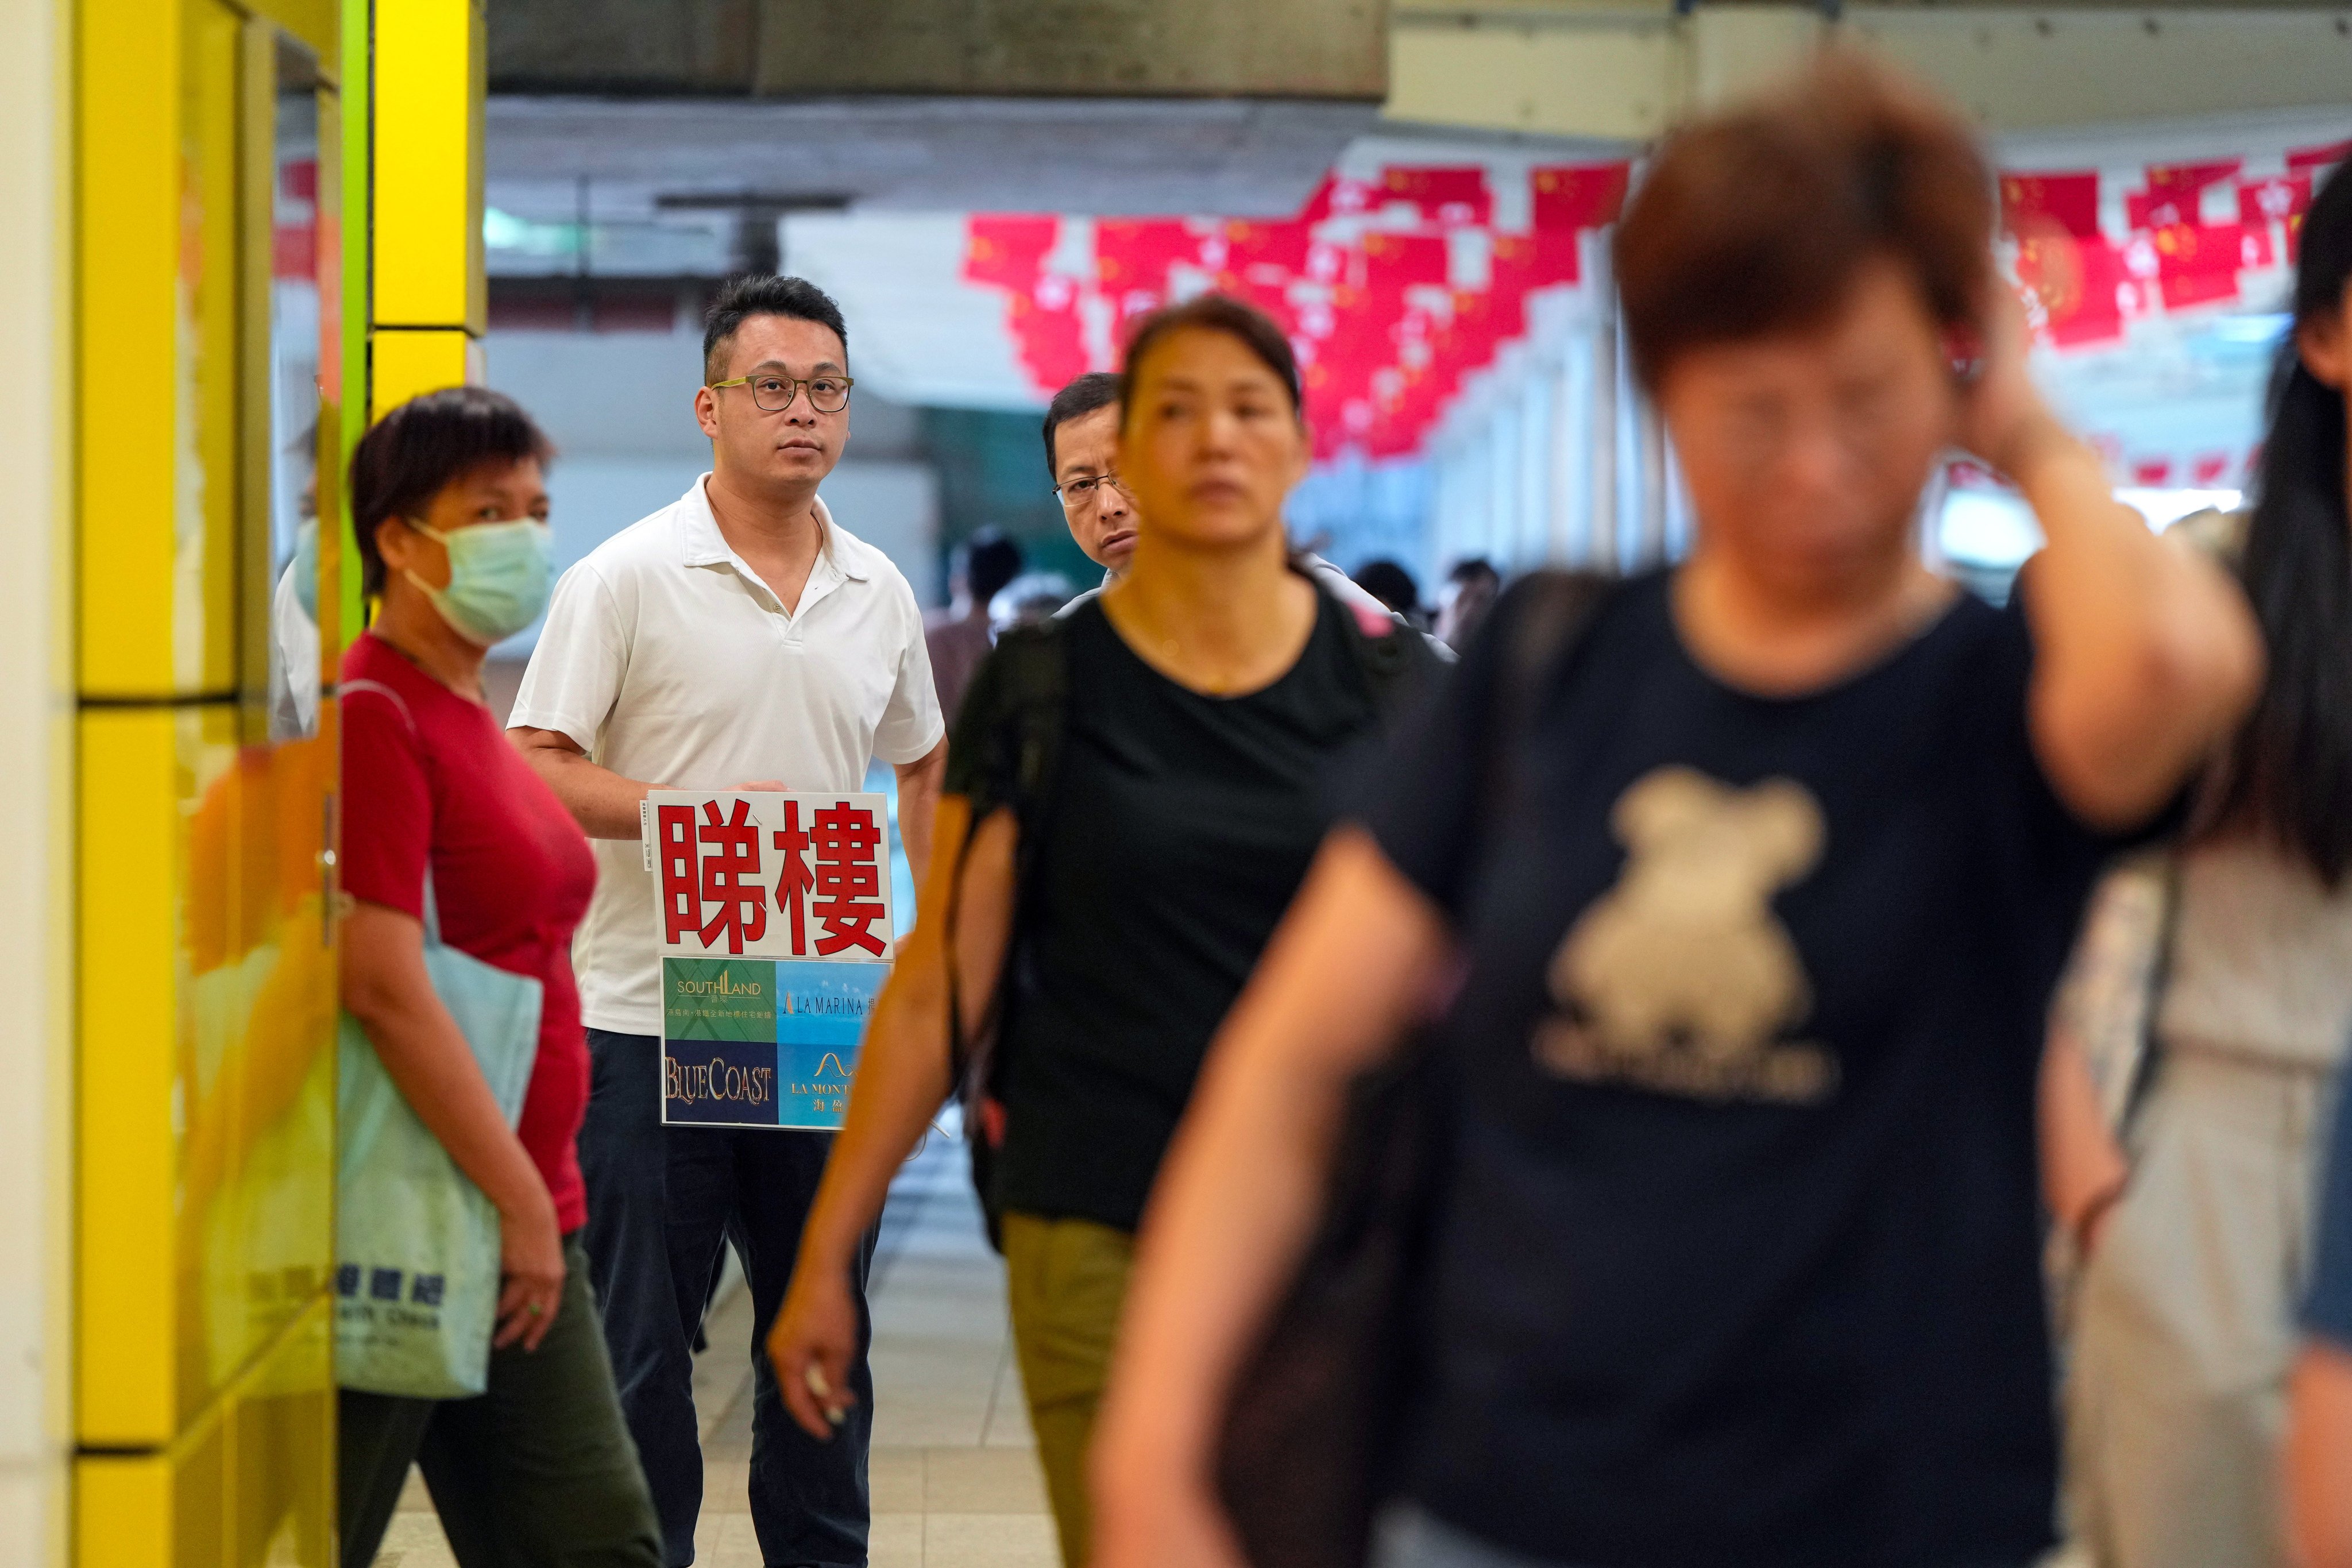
point(738, 658)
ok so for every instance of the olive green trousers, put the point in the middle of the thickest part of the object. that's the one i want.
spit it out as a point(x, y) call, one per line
point(1067, 1280)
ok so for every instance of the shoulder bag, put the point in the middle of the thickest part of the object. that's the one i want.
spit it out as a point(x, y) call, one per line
point(1308, 1451)
point(416, 1242)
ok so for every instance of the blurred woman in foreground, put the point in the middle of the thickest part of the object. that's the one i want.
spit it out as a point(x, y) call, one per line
point(1736, 1261)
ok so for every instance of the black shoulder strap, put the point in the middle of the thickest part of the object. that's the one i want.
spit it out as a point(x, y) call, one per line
point(1544, 618)
point(1033, 680)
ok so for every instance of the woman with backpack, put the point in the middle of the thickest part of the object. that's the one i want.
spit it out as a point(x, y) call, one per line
point(1135, 790)
point(1748, 914)
point(2184, 1328)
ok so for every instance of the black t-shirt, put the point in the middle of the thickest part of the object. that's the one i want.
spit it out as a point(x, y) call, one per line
point(1740, 1263)
point(1180, 827)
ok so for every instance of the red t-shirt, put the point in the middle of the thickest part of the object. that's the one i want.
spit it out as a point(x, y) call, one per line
point(426, 772)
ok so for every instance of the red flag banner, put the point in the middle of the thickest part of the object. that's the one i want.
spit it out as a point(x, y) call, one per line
point(2199, 264)
point(2078, 284)
point(1579, 196)
point(1136, 253)
point(1544, 259)
point(1264, 252)
point(1395, 262)
point(1050, 342)
point(1008, 249)
point(2174, 193)
point(2274, 201)
point(2032, 205)
point(1452, 198)
point(2314, 158)
point(1338, 197)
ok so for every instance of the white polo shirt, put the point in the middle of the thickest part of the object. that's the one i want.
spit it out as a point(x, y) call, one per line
point(665, 659)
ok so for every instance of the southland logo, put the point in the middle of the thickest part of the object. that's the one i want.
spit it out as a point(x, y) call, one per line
point(722, 986)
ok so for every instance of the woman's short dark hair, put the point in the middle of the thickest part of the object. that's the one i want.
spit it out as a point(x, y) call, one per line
point(418, 449)
point(1759, 221)
point(1251, 327)
point(2287, 776)
point(1096, 389)
point(750, 294)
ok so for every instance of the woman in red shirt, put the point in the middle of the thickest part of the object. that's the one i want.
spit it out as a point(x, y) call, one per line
point(450, 508)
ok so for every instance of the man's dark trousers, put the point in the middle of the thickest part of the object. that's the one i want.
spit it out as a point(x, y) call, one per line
point(661, 1202)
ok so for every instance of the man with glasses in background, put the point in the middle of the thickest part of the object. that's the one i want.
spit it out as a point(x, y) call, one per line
point(1082, 454)
point(738, 639)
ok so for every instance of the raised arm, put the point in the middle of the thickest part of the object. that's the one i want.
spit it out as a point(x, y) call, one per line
point(2145, 654)
point(1355, 964)
point(903, 1078)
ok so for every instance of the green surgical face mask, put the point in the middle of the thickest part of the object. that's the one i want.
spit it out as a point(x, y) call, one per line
point(499, 576)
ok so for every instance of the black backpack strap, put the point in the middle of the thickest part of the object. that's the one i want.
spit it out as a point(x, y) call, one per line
point(1544, 618)
point(1030, 678)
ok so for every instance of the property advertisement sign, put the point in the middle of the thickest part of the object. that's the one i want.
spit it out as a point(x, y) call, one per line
point(771, 913)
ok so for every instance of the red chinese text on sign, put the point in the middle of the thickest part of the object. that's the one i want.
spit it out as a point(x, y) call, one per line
point(731, 889)
point(848, 879)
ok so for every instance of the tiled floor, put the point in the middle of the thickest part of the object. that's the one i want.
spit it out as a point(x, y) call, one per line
point(954, 1477)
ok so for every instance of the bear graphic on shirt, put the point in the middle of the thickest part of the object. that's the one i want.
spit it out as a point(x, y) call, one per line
point(1681, 978)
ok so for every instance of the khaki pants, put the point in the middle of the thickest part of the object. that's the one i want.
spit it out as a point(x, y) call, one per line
point(2184, 1322)
point(1067, 1279)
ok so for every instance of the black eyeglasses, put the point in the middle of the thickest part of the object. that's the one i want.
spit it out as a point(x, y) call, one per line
point(1080, 493)
point(773, 391)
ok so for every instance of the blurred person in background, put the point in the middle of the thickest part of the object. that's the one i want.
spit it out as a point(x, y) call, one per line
point(1737, 1246)
point(1470, 591)
point(1393, 586)
point(1032, 597)
point(959, 638)
point(739, 638)
point(2196, 1241)
point(1204, 701)
point(2319, 1430)
point(449, 505)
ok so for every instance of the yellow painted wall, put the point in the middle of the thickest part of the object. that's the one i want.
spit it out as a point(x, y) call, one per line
point(204, 946)
point(203, 938)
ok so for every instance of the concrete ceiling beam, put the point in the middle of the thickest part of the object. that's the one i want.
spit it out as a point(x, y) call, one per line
point(762, 49)
point(1630, 71)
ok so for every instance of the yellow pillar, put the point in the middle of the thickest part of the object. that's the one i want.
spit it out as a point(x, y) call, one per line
point(431, 306)
point(207, 169)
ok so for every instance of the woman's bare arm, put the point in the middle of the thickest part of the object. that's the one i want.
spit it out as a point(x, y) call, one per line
point(2145, 654)
point(2319, 1457)
point(1355, 965)
point(903, 1077)
point(387, 988)
point(2083, 1167)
